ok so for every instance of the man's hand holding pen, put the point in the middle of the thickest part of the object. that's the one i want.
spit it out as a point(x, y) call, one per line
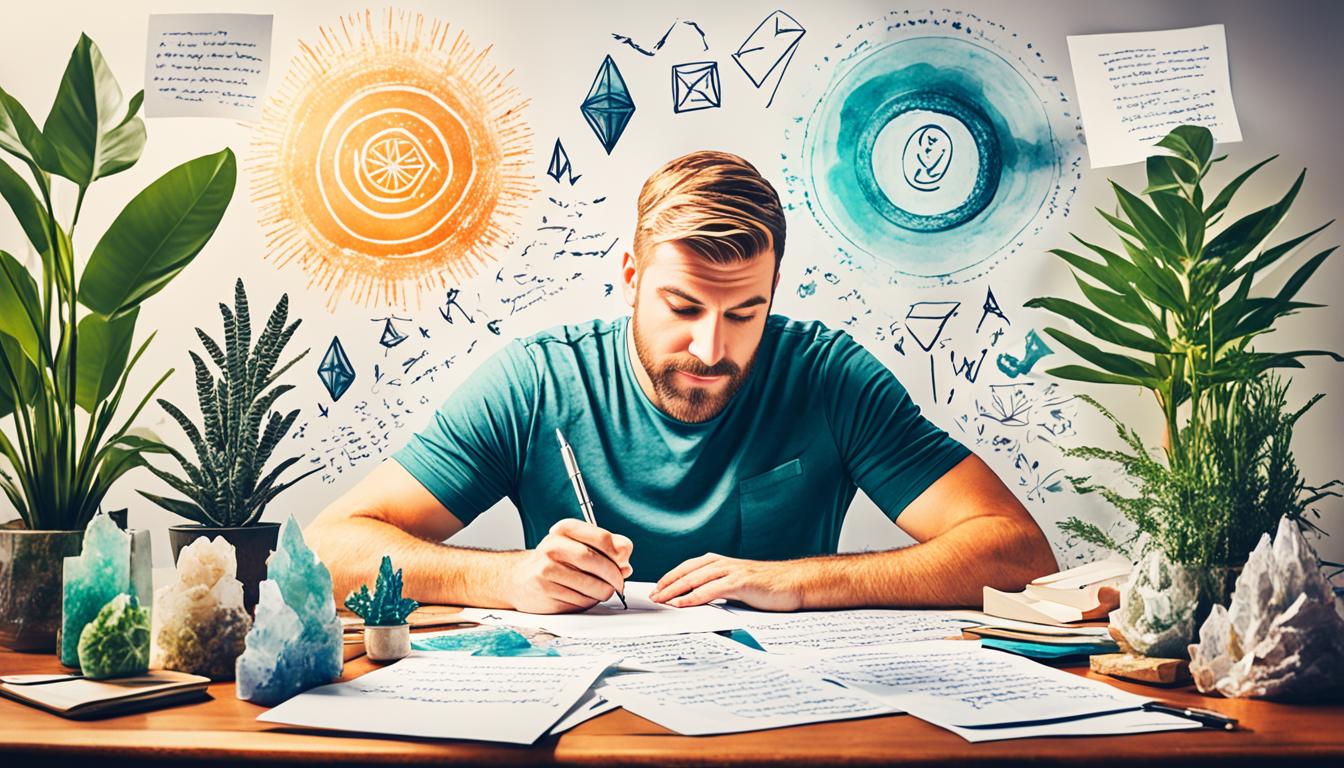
point(576, 566)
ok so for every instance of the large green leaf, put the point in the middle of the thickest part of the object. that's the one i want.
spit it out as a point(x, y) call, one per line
point(1153, 230)
point(1224, 196)
point(1099, 325)
point(30, 213)
point(158, 233)
point(20, 308)
point(14, 362)
point(1194, 143)
point(91, 131)
point(1126, 307)
point(20, 136)
point(104, 345)
point(1184, 218)
point(1245, 234)
point(1107, 361)
point(1090, 375)
point(1166, 286)
point(1269, 256)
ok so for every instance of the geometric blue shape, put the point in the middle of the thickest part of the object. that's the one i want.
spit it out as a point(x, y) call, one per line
point(391, 336)
point(608, 106)
point(560, 166)
point(695, 86)
point(335, 371)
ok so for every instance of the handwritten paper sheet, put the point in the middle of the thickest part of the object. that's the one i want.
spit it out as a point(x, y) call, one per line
point(958, 683)
point(662, 653)
point(607, 620)
point(749, 694)
point(788, 633)
point(588, 707)
point(1115, 724)
point(207, 65)
point(1134, 87)
point(450, 696)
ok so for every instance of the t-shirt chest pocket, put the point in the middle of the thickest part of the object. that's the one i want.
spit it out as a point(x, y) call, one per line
point(769, 515)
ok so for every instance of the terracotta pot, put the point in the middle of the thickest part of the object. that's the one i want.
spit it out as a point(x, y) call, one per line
point(30, 586)
point(253, 544)
point(387, 643)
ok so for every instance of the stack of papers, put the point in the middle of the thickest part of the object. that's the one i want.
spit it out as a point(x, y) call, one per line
point(1085, 593)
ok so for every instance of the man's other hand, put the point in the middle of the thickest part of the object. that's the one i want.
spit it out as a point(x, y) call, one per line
point(764, 585)
point(574, 568)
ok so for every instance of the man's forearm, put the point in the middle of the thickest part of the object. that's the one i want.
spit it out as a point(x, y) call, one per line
point(947, 571)
point(432, 573)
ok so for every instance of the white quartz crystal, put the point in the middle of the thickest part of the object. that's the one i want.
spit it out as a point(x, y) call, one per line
point(1157, 607)
point(200, 620)
point(1283, 637)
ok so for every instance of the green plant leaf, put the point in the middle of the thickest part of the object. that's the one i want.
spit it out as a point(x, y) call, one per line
point(1108, 361)
point(91, 131)
point(30, 213)
point(104, 346)
point(1163, 174)
point(1268, 256)
point(1165, 286)
point(20, 308)
point(1093, 376)
point(1224, 196)
point(158, 233)
point(1245, 234)
point(1191, 142)
point(20, 136)
point(1154, 231)
point(1184, 218)
point(1099, 325)
point(1125, 307)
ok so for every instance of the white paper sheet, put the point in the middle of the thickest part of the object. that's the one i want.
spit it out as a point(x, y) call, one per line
point(607, 620)
point(588, 707)
point(207, 65)
point(958, 683)
point(1116, 724)
point(749, 694)
point(663, 653)
point(1134, 87)
point(450, 696)
point(976, 618)
point(791, 632)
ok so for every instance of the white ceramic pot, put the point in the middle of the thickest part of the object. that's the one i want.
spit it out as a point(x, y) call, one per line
point(387, 643)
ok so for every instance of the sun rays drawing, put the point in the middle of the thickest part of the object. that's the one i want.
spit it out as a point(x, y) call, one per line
point(393, 159)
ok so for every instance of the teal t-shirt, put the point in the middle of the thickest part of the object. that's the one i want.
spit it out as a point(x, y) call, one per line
point(769, 478)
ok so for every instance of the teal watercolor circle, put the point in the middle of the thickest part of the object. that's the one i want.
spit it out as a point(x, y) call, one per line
point(971, 84)
point(989, 168)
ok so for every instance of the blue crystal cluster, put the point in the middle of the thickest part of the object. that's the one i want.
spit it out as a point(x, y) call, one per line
point(295, 641)
point(335, 370)
point(91, 579)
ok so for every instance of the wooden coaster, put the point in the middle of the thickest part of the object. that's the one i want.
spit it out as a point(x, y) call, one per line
point(1142, 669)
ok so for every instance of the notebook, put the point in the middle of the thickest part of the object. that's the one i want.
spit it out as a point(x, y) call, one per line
point(76, 697)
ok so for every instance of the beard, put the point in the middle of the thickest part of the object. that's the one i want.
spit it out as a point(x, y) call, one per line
point(682, 402)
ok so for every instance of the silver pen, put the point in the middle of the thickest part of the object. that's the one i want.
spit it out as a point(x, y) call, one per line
point(581, 491)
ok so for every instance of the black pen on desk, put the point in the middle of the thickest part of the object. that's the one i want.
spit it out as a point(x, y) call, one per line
point(1205, 717)
point(581, 491)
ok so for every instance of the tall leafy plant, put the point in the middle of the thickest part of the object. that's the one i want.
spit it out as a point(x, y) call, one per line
point(1174, 312)
point(66, 336)
point(225, 486)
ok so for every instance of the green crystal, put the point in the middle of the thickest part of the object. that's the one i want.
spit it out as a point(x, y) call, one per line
point(116, 642)
point(386, 607)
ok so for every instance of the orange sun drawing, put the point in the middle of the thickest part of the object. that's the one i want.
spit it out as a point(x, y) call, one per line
point(392, 158)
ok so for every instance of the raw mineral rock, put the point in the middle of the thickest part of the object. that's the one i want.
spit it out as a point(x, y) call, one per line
point(1283, 637)
point(1157, 607)
point(99, 573)
point(200, 616)
point(295, 642)
point(116, 642)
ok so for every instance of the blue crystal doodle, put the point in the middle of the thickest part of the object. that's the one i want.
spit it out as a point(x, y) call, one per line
point(560, 167)
point(336, 371)
point(391, 336)
point(1036, 349)
point(695, 86)
point(769, 49)
point(295, 642)
point(608, 106)
point(926, 319)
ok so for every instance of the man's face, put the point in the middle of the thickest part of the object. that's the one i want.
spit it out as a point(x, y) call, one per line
point(696, 326)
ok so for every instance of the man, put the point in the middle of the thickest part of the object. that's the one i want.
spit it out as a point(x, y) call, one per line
point(721, 446)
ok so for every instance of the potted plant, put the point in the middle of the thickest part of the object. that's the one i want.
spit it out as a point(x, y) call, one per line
point(1175, 315)
point(225, 487)
point(66, 336)
point(387, 636)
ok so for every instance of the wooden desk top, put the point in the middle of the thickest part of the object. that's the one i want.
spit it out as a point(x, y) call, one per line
point(225, 729)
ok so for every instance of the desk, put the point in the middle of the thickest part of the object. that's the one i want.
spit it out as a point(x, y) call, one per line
point(225, 730)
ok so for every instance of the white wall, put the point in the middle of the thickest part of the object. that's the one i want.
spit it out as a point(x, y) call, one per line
point(1283, 60)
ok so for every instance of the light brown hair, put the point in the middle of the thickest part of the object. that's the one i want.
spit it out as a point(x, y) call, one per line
point(715, 203)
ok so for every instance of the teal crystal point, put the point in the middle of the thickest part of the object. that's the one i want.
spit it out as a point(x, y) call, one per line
point(385, 607)
point(608, 106)
point(99, 573)
point(295, 641)
point(116, 642)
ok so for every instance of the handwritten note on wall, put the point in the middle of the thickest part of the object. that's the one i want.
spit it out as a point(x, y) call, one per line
point(207, 65)
point(1133, 88)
